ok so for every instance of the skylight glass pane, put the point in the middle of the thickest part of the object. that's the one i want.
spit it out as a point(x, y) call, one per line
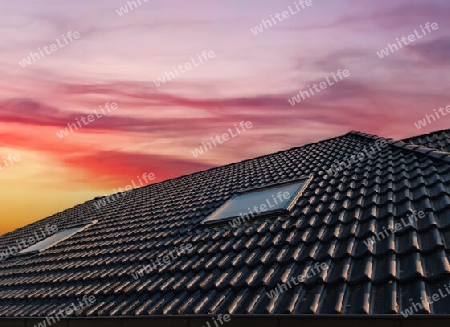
point(51, 240)
point(266, 200)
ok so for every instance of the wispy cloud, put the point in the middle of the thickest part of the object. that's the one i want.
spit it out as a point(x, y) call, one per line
point(250, 79)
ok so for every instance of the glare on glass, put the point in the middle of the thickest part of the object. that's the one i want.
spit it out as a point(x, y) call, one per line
point(51, 240)
point(273, 199)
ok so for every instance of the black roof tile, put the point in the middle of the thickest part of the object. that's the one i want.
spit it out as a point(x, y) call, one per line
point(439, 140)
point(231, 270)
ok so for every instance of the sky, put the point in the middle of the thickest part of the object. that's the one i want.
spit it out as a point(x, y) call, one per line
point(114, 57)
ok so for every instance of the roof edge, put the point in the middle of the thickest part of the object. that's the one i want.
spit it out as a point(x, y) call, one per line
point(418, 149)
point(422, 135)
point(267, 320)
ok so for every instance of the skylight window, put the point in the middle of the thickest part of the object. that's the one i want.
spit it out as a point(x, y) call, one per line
point(54, 239)
point(259, 202)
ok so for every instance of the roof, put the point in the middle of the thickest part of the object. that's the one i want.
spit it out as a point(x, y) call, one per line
point(439, 140)
point(230, 270)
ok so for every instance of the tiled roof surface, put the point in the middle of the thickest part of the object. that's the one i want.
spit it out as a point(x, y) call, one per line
point(230, 270)
point(439, 140)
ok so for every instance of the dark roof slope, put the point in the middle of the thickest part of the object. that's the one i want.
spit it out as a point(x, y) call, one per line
point(439, 140)
point(230, 270)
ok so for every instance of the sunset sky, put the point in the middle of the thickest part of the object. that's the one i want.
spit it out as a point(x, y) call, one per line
point(251, 77)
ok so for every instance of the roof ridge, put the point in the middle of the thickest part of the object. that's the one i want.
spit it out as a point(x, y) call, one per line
point(433, 153)
point(253, 158)
point(430, 133)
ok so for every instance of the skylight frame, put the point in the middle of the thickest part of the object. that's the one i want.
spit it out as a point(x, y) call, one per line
point(304, 179)
point(83, 226)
